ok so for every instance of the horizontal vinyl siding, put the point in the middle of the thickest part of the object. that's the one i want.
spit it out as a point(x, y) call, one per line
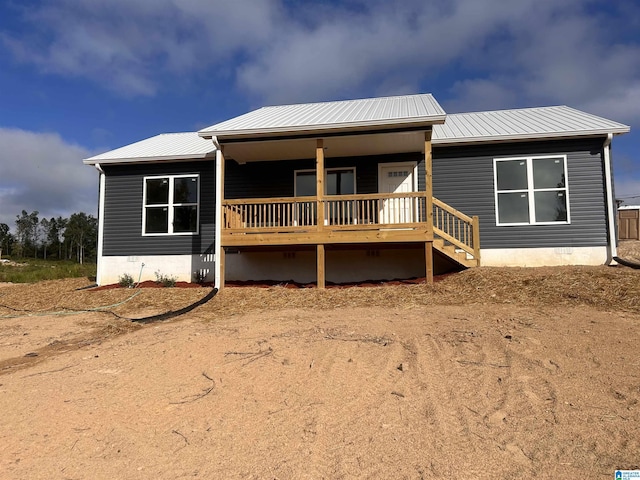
point(463, 178)
point(276, 178)
point(123, 211)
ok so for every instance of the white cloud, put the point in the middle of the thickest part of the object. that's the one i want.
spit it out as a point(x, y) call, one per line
point(127, 46)
point(40, 171)
point(493, 53)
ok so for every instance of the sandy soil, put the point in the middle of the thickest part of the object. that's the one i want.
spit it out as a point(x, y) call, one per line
point(485, 390)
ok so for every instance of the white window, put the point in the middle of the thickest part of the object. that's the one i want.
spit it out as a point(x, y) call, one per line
point(531, 190)
point(171, 204)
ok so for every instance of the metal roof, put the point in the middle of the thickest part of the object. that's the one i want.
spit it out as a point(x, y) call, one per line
point(167, 146)
point(362, 114)
point(522, 124)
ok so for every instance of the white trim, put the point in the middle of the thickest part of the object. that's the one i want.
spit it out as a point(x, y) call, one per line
point(611, 211)
point(522, 137)
point(531, 190)
point(170, 205)
point(414, 165)
point(101, 199)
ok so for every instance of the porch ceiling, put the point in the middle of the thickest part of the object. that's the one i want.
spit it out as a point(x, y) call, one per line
point(335, 146)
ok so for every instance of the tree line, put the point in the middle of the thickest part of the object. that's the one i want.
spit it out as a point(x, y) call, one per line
point(73, 238)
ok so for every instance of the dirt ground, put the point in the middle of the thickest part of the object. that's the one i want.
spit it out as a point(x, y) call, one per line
point(491, 373)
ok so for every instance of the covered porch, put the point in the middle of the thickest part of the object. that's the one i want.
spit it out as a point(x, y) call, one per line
point(352, 173)
point(393, 217)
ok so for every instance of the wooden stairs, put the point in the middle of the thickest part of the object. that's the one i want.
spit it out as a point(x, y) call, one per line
point(458, 255)
point(456, 235)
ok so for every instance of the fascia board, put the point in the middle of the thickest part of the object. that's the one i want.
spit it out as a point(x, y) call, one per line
point(524, 137)
point(93, 161)
point(319, 129)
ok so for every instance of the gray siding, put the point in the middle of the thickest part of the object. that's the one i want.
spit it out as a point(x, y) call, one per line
point(276, 179)
point(123, 211)
point(463, 178)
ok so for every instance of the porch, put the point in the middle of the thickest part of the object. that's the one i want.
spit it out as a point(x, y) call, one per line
point(383, 218)
point(390, 204)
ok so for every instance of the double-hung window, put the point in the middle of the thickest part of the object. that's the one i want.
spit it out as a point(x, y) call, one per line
point(531, 190)
point(170, 205)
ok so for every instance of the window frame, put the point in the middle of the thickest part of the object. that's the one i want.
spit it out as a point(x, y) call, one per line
point(171, 205)
point(326, 170)
point(531, 190)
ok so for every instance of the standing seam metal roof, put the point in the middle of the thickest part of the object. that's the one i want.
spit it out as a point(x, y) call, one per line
point(330, 115)
point(520, 124)
point(476, 127)
point(165, 146)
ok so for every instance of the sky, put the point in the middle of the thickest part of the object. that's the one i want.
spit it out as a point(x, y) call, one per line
point(80, 77)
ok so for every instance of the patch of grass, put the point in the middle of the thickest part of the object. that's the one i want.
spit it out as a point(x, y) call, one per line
point(34, 270)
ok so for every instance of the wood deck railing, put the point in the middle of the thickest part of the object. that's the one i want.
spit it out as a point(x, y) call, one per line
point(456, 228)
point(378, 211)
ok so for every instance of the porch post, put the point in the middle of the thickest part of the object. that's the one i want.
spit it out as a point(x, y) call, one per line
point(428, 168)
point(320, 181)
point(219, 265)
point(320, 259)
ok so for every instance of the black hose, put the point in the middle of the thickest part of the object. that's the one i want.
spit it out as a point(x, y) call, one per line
point(176, 313)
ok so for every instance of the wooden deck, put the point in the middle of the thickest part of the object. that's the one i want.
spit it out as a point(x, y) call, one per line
point(351, 219)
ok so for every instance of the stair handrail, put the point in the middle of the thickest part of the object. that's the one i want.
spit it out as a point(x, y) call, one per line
point(457, 228)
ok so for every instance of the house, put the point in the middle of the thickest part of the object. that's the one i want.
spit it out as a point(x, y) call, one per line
point(374, 188)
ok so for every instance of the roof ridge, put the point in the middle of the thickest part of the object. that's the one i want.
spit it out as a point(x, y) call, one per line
point(325, 102)
point(499, 110)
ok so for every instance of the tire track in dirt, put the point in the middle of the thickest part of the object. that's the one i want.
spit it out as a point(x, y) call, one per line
point(340, 421)
point(479, 405)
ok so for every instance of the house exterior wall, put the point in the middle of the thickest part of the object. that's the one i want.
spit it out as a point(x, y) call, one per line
point(123, 211)
point(276, 178)
point(463, 177)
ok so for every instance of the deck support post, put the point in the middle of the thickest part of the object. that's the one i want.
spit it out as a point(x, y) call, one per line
point(320, 267)
point(428, 169)
point(428, 261)
point(219, 265)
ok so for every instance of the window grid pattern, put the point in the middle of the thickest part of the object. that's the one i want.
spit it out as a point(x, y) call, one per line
point(171, 205)
point(531, 190)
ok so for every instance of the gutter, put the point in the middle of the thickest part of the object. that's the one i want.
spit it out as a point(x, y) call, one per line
point(612, 251)
point(218, 240)
point(101, 197)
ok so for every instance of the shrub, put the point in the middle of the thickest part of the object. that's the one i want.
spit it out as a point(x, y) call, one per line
point(165, 280)
point(126, 280)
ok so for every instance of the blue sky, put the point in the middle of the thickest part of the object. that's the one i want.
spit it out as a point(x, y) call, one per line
point(79, 77)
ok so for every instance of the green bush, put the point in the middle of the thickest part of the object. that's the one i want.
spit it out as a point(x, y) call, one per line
point(165, 280)
point(126, 280)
